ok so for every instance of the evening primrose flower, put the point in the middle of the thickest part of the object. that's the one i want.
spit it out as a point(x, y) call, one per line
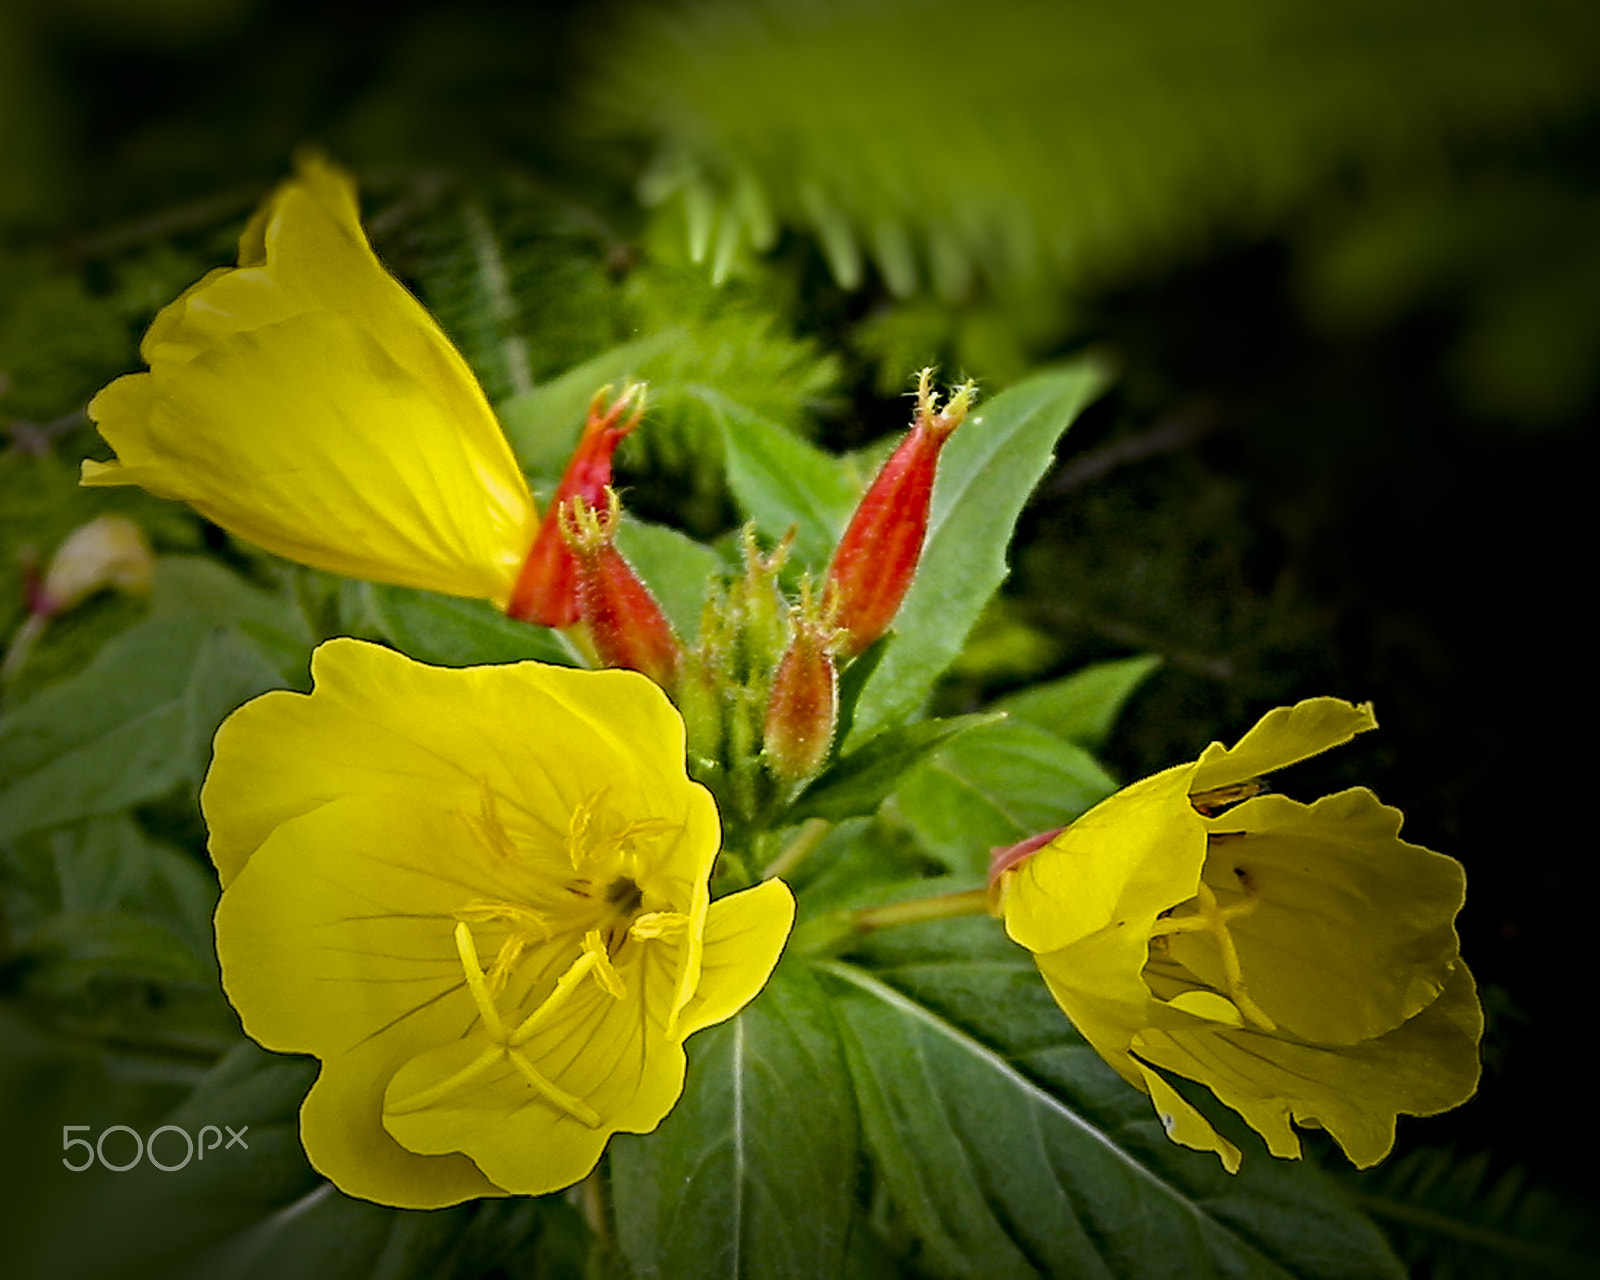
point(1301, 961)
point(306, 402)
point(479, 896)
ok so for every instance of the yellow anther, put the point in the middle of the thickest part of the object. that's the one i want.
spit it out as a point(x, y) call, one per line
point(486, 825)
point(578, 830)
point(527, 925)
point(500, 971)
point(523, 919)
point(658, 924)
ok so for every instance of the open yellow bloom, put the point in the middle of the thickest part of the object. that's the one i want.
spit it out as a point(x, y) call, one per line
point(479, 896)
point(1301, 961)
point(306, 402)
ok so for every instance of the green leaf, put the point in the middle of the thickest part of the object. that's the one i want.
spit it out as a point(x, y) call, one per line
point(193, 585)
point(996, 785)
point(1037, 1160)
point(859, 782)
point(256, 1209)
point(1081, 707)
point(987, 471)
point(451, 632)
point(754, 1172)
point(131, 727)
point(111, 865)
point(780, 480)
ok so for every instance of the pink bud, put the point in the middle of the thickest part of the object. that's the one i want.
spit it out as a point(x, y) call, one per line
point(1005, 857)
point(878, 555)
point(109, 551)
point(547, 588)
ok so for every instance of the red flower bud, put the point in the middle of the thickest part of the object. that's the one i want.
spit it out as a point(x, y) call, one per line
point(625, 622)
point(803, 708)
point(802, 711)
point(877, 557)
point(547, 588)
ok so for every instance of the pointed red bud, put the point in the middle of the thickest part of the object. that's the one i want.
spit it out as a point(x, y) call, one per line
point(547, 588)
point(878, 555)
point(625, 623)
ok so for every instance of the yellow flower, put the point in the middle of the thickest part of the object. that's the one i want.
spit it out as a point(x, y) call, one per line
point(306, 402)
point(480, 897)
point(1301, 961)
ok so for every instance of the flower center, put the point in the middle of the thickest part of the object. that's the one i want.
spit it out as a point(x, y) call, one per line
point(603, 904)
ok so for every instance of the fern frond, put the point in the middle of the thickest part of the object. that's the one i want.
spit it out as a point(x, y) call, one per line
point(945, 142)
point(1454, 1217)
point(547, 311)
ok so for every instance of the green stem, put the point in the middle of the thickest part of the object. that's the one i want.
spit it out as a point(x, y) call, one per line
point(835, 932)
point(944, 906)
point(810, 834)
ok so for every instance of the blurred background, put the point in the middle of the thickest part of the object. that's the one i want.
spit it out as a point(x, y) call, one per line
point(1344, 256)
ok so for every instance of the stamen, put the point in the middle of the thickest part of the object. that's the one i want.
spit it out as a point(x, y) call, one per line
point(557, 1097)
point(687, 980)
point(1209, 917)
point(591, 958)
point(578, 830)
point(468, 952)
point(525, 919)
point(486, 825)
point(433, 1093)
point(510, 952)
point(604, 971)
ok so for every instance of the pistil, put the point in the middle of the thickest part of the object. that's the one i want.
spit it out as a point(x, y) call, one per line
point(1208, 916)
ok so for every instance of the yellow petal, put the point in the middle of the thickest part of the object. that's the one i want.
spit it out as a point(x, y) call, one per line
point(542, 739)
point(339, 931)
point(341, 1127)
point(306, 402)
point(1352, 930)
point(1186, 1125)
point(335, 941)
point(1129, 858)
point(744, 937)
point(1098, 983)
point(1427, 1065)
point(1284, 736)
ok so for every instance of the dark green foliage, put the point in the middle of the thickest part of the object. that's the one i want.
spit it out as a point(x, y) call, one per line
point(1459, 1216)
